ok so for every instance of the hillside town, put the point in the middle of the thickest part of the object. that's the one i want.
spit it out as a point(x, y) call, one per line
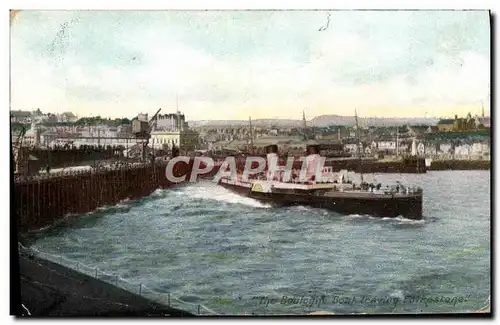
point(458, 138)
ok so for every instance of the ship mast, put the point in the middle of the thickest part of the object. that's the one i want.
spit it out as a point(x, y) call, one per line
point(358, 144)
point(251, 134)
point(397, 141)
point(304, 126)
point(178, 113)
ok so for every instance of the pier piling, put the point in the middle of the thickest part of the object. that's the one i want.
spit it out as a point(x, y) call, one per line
point(44, 199)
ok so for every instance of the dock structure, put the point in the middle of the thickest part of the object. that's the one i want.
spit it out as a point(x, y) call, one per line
point(42, 199)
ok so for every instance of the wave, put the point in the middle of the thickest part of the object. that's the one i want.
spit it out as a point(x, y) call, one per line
point(208, 191)
point(399, 219)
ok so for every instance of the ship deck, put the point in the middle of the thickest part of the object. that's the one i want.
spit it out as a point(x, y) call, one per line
point(334, 190)
point(369, 195)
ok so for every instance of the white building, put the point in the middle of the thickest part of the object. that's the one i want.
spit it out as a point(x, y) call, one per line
point(386, 145)
point(185, 140)
point(171, 130)
point(67, 117)
point(474, 150)
point(143, 117)
point(390, 145)
point(479, 148)
point(98, 135)
point(20, 117)
point(47, 138)
point(171, 122)
point(351, 147)
point(445, 147)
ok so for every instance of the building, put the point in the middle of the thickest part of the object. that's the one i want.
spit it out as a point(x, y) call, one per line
point(47, 138)
point(67, 117)
point(333, 133)
point(171, 130)
point(446, 125)
point(432, 129)
point(483, 122)
point(389, 146)
point(185, 140)
point(458, 124)
point(171, 122)
point(143, 117)
point(352, 146)
point(23, 117)
point(417, 130)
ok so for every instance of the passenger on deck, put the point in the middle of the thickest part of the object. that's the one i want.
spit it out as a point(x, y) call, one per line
point(281, 175)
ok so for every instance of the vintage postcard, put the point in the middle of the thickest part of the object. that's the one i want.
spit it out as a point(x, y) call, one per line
point(250, 162)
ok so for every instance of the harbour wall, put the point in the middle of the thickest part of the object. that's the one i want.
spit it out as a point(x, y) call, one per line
point(56, 158)
point(416, 165)
point(460, 165)
point(42, 200)
point(373, 166)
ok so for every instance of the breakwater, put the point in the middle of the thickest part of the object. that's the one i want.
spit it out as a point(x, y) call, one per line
point(63, 157)
point(410, 165)
point(43, 199)
point(460, 165)
point(407, 165)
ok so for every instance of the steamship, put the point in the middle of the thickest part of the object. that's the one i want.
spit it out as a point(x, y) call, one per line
point(331, 191)
point(338, 195)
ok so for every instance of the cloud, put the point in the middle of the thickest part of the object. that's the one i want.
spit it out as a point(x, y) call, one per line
point(224, 66)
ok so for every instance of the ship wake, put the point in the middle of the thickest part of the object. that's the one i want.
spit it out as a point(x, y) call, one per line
point(211, 191)
point(398, 219)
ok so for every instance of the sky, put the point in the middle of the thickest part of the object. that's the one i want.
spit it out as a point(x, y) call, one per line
point(224, 65)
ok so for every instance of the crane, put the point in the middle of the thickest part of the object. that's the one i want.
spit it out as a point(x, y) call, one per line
point(142, 130)
point(151, 123)
point(17, 148)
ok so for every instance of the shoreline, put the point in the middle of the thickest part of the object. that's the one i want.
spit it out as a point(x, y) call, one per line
point(49, 289)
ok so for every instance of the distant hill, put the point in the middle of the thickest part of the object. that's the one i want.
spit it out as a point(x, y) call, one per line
point(322, 120)
point(257, 122)
point(325, 120)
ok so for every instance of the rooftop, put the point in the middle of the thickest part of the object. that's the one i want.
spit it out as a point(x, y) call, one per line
point(446, 121)
point(20, 113)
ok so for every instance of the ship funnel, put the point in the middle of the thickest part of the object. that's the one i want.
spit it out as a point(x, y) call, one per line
point(272, 161)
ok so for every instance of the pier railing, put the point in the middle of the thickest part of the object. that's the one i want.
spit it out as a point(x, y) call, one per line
point(165, 298)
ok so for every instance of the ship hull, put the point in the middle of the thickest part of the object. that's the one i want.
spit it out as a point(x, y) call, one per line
point(409, 207)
